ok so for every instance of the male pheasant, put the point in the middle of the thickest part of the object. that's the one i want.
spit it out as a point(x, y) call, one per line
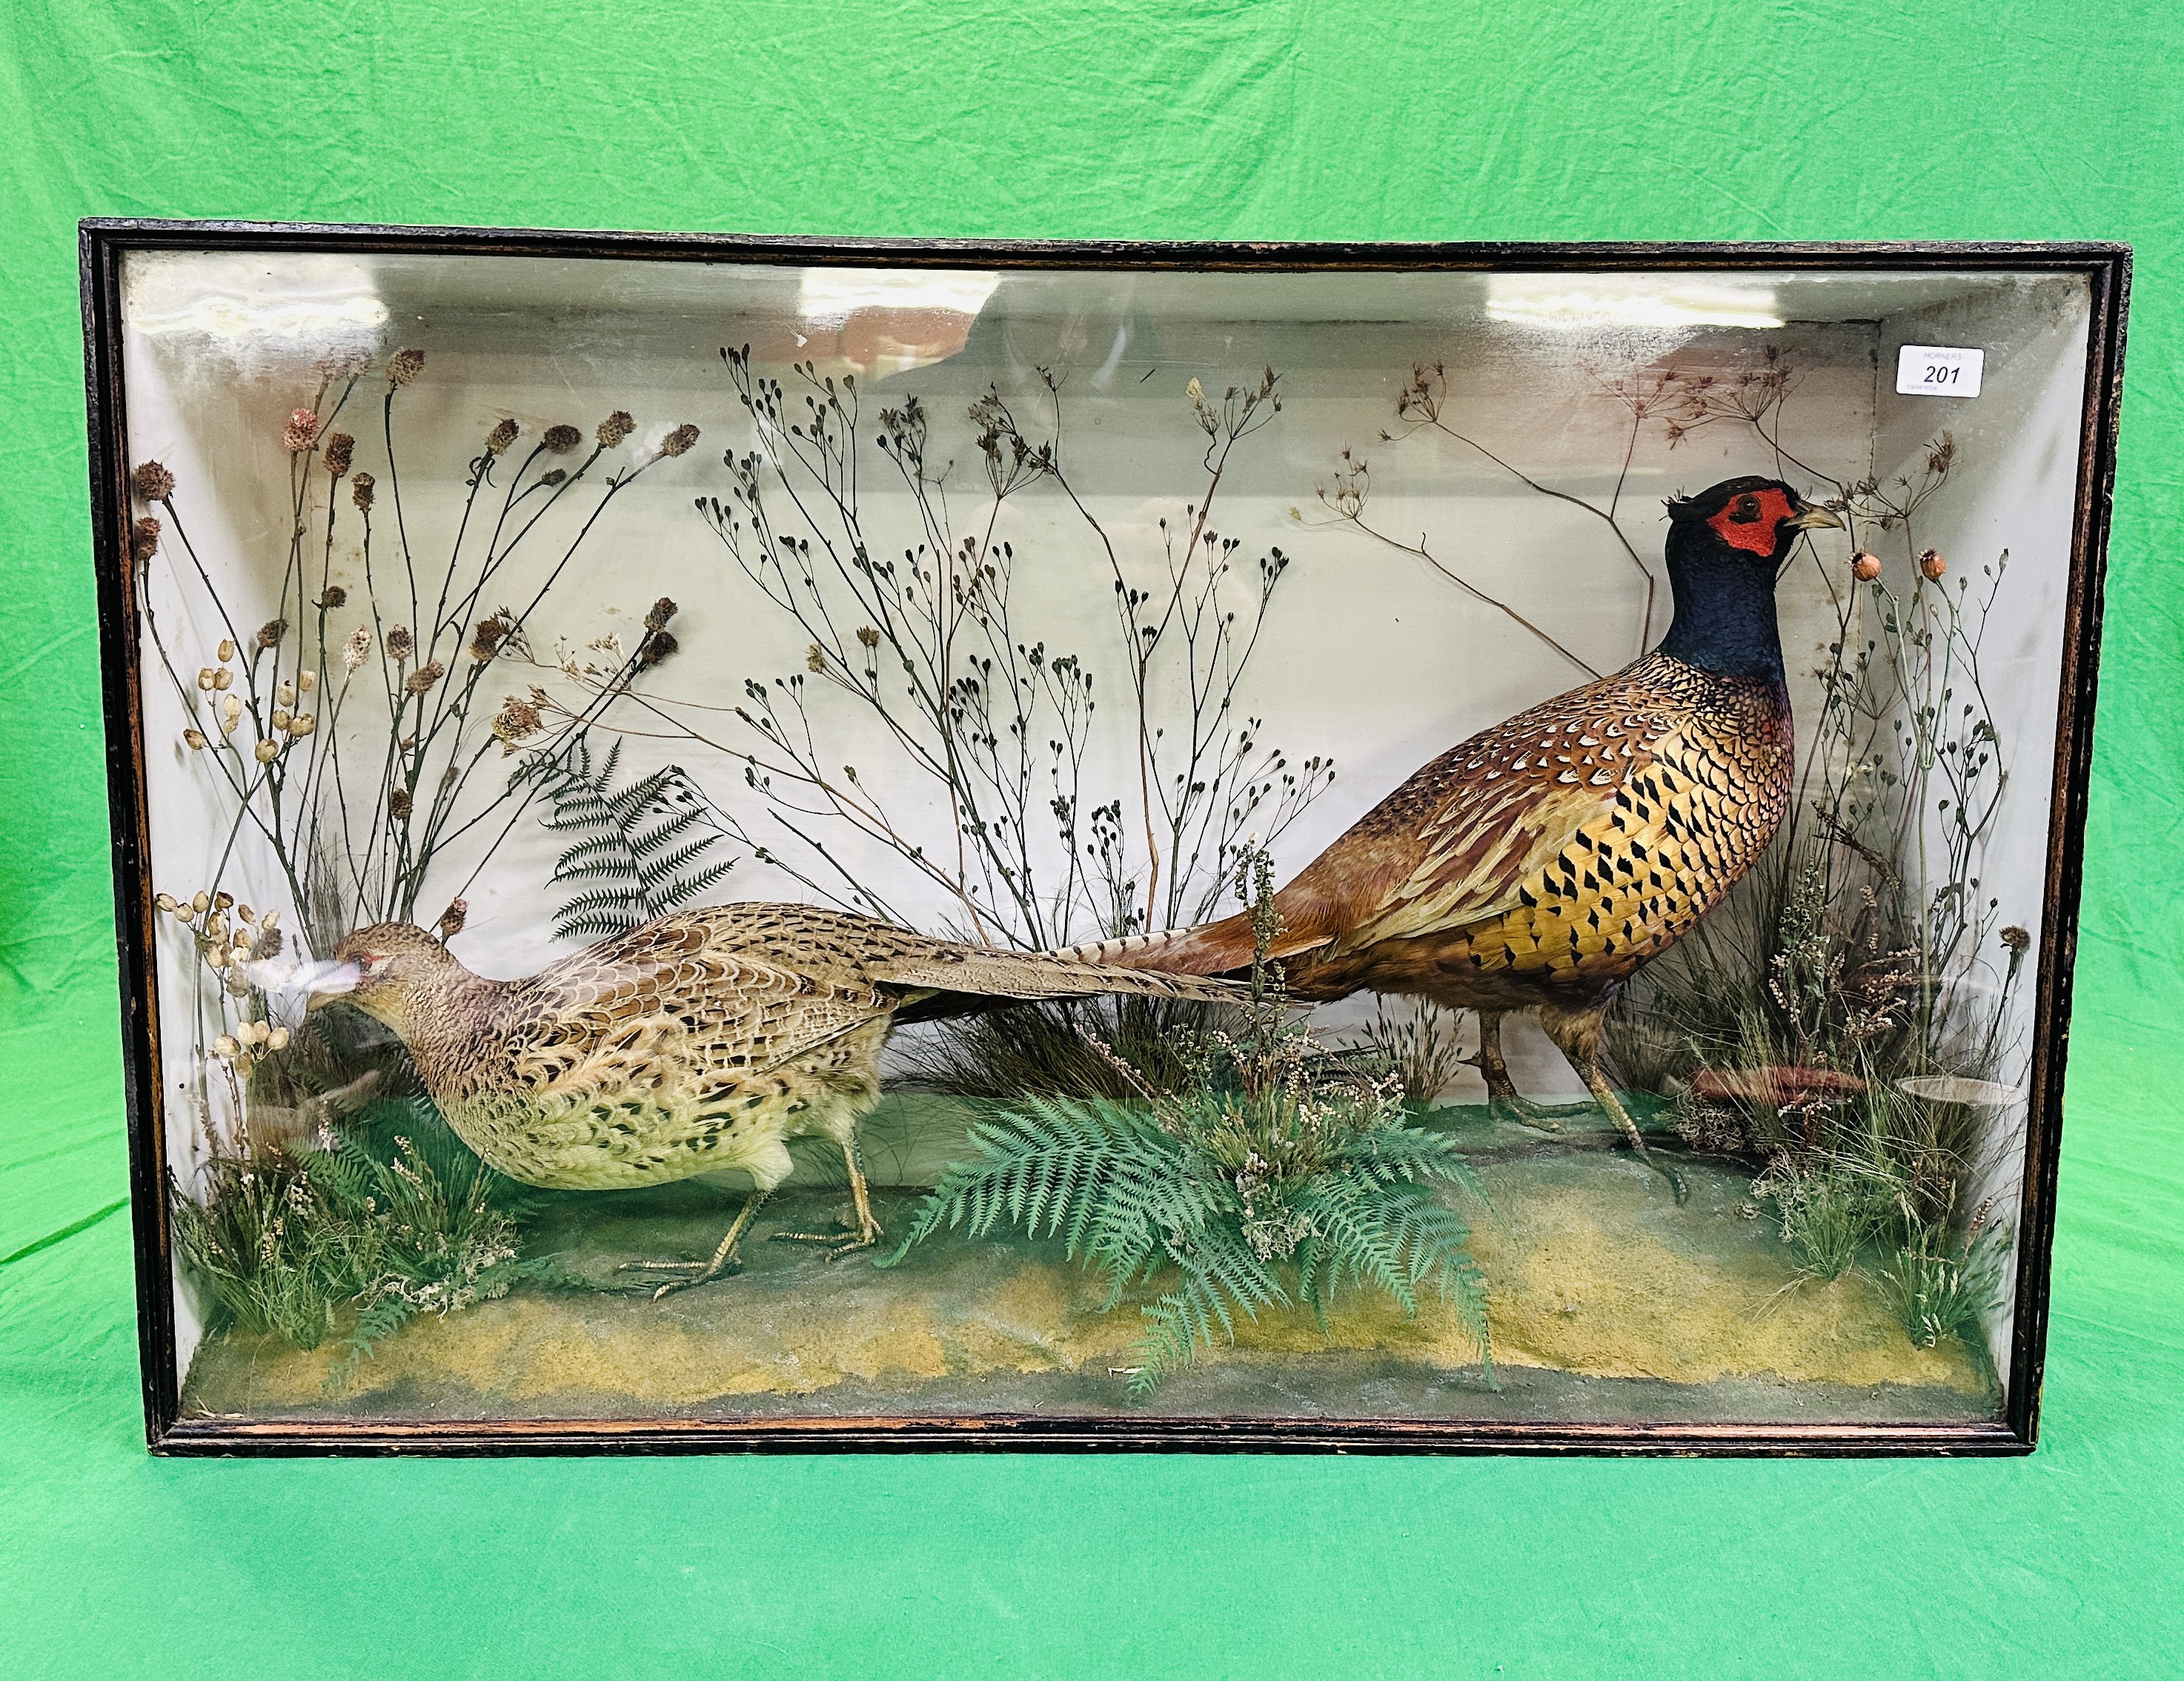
point(698, 1042)
point(1540, 863)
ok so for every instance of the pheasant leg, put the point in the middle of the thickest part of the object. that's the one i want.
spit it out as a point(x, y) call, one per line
point(1503, 1099)
point(1578, 1038)
point(868, 1228)
point(703, 1272)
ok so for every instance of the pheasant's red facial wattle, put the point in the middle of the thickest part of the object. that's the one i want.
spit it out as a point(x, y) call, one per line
point(1753, 521)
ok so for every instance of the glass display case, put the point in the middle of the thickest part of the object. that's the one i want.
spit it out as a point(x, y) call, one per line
point(745, 842)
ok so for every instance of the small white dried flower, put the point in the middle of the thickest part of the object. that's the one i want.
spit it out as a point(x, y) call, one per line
point(166, 901)
point(266, 751)
point(354, 651)
point(303, 724)
point(205, 678)
point(281, 718)
point(194, 738)
point(217, 957)
point(277, 1040)
point(225, 1046)
point(198, 902)
point(285, 695)
point(269, 919)
point(306, 681)
point(222, 678)
point(226, 649)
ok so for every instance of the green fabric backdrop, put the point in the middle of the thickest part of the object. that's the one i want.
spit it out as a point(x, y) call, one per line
point(1294, 119)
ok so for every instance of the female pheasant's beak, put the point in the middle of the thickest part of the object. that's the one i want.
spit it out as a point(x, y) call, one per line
point(1810, 516)
point(333, 986)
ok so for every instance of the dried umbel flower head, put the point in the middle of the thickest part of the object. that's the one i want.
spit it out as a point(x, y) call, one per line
point(517, 720)
point(271, 633)
point(452, 918)
point(152, 481)
point(360, 492)
point(662, 610)
point(335, 598)
point(560, 439)
point(615, 427)
point(398, 805)
point(357, 648)
point(144, 540)
point(1864, 566)
point(679, 441)
point(500, 436)
point(340, 448)
point(402, 366)
point(1932, 564)
point(301, 432)
point(421, 679)
point(400, 643)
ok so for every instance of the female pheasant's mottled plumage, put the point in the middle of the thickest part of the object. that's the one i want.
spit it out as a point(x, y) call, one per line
point(1542, 863)
point(697, 1043)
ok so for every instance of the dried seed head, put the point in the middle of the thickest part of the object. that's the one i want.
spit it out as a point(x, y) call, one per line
point(223, 901)
point(167, 902)
point(303, 724)
point(217, 957)
point(357, 648)
point(306, 681)
point(230, 706)
point(222, 678)
point(1865, 567)
point(868, 636)
point(277, 1040)
point(271, 946)
point(269, 919)
point(195, 738)
point(198, 902)
point(271, 633)
point(398, 804)
point(452, 918)
point(360, 492)
point(206, 677)
point(285, 695)
point(560, 439)
point(402, 366)
point(657, 645)
point(424, 677)
point(266, 751)
point(662, 610)
point(301, 432)
point(678, 442)
point(226, 650)
point(226, 1046)
point(152, 481)
point(400, 643)
point(517, 720)
point(554, 477)
point(615, 427)
point(238, 986)
point(1931, 563)
point(335, 598)
point(144, 540)
point(489, 633)
point(815, 658)
point(340, 448)
point(2016, 938)
point(282, 718)
point(501, 437)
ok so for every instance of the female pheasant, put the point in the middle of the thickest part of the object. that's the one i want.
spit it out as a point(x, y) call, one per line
point(698, 1042)
point(1542, 863)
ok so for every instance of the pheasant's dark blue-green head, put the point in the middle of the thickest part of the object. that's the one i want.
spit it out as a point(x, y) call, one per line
point(1726, 547)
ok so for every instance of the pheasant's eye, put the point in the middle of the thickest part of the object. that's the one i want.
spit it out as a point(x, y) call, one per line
point(370, 964)
point(1746, 511)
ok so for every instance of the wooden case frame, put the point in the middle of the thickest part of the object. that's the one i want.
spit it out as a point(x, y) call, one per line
point(103, 244)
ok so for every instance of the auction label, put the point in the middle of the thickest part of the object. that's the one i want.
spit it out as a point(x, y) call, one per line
point(1938, 370)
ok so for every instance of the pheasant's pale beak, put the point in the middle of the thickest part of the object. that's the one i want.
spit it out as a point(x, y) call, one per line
point(1809, 517)
point(333, 987)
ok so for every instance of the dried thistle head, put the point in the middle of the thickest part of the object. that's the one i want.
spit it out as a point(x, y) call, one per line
point(487, 634)
point(402, 366)
point(152, 481)
point(301, 432)
point(144, 540)
point(500, 436)
point(2016, 938)
point(357, 648)
point(678, 442)
point(615, 427)
point(340, 448)
point(517, 720)
point(400, 643)
point(555, 477)
point(336, 597)
point(360, 492)
point(421, 679)
point(271, 633)
point(398, 804)
point(452, 919)
point(560, 439)
point(657, 645)
point(662, 610)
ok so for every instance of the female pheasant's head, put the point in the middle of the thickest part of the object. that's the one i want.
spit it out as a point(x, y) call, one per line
point(1726, 546)
point(391, 971)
